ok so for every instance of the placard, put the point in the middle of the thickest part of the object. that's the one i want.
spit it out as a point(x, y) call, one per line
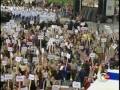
point(114, 46)
point(51, 56)
point(55, 87)
point(110, 7)
point(24, 88)
point(84, 28)
point(37, 52)
point(18, 59)
point(103, 39)
point(25, 60)
point(25, 31)
point(35, 59)
point(62, 44)
point(31, 77)
point(62, 67)
point(54, 26)
point(76, 85)
point(20, 78)
point(1, 56)
point(57, 58)
point(92, 55)
point(98, 38)
point(42, 50)
point(23, 49)
point(4, 62)
point(10, 49)
point(38, 27)
point(19, 43)
point(2, 78)
point(76, 31)
point(82, 24)
point(61, 37)
point(65, 26)
point(57, 36)
point(66, 43)
point(31, 22)
point(81, 47)
point(29, 43)
point(40, 37)
point(68, 55)
point(7, 41)
point(17, 29)
point(14, 41)
point(62, 54)
point(11, 54)
point(8, 76)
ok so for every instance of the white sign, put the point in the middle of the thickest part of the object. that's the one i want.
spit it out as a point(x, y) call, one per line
point(110, 7)
point(61, 37)
point(4, 63)
point(56, 87)
point(25, 31)
point(76, 85)
point(84, 28)
point(18, 59)
point(7, 41)
point(35, 59)
point(2, 78)
point(57, 36)
point(62, 44)
point(65, 26)
point(82, 24)
point(20, 78)
point(18, 29)
point(29, 43)
point(26, 1)
point(8, 76)
point(38, 27)
point(31, 22)
point(31, 77)
point(81, 47)
point(37, 52)
point(23, 49)
point(76, 31)
point(10, 49)
point(51, 56)
point(114, 46)
point(92, 55)
point(62, 53)
point(40, 36)
point(68, 55)
point(42, 50)
point(54, 26)
point(25, 61)
point(103, 39)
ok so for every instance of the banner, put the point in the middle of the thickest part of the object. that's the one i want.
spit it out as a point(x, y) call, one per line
point(110, 7)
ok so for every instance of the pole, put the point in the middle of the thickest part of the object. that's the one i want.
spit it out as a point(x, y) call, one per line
point(8, 85)
point(80, 6)
point(19, 85)
point(30, 85)
point(40, 44)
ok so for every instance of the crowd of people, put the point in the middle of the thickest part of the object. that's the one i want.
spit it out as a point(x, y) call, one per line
point(40, 55)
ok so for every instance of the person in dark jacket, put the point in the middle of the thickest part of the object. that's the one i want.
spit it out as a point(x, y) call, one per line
point(76, 24)
point(81, 76)
point(87, 68)
point(33, 87)
point(70, 25)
